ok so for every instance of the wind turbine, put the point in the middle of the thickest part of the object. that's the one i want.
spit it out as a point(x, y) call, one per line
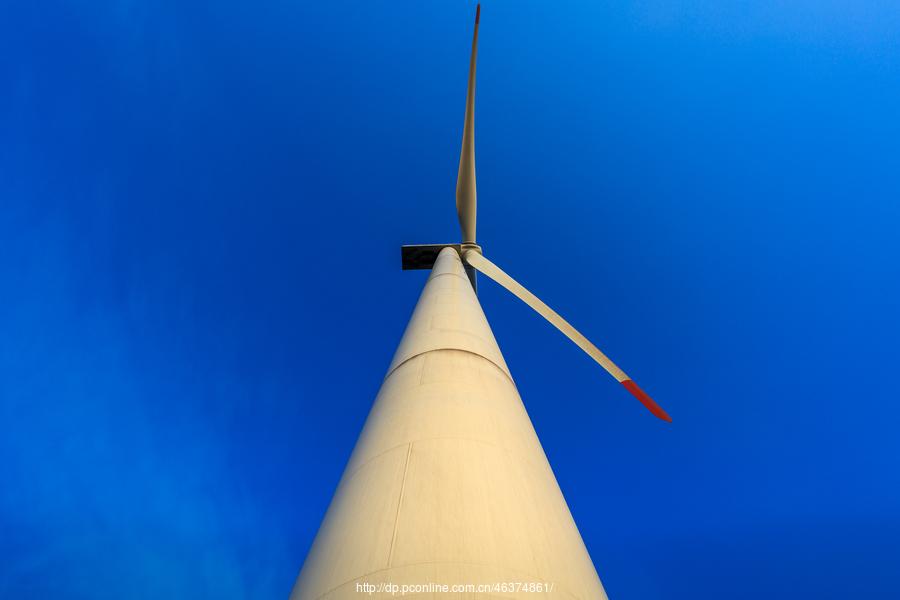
point(448, 488)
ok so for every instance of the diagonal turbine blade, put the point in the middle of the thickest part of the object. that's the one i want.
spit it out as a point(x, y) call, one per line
point(494, 272)
point(465, 179)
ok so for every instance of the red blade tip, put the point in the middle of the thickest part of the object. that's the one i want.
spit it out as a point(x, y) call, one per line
point(477, 13)
point(646, 400)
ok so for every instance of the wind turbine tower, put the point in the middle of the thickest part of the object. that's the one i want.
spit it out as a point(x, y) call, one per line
point(448, 492)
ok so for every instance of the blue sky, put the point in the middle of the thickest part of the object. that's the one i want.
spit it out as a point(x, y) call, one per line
point(201, 205)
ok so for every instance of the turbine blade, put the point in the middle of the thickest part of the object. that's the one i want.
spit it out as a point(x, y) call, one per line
point(494, 272)
point(465, 179)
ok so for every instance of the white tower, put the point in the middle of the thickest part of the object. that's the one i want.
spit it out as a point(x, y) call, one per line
point(448, 484)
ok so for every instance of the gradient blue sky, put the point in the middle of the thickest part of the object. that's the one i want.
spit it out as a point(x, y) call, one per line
point(201, 205)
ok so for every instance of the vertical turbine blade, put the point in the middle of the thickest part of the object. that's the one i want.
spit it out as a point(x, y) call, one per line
point(465, 180)
point(494, 272)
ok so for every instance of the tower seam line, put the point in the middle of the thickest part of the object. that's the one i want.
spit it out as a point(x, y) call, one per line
point(406, 360)
point(399, 505)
